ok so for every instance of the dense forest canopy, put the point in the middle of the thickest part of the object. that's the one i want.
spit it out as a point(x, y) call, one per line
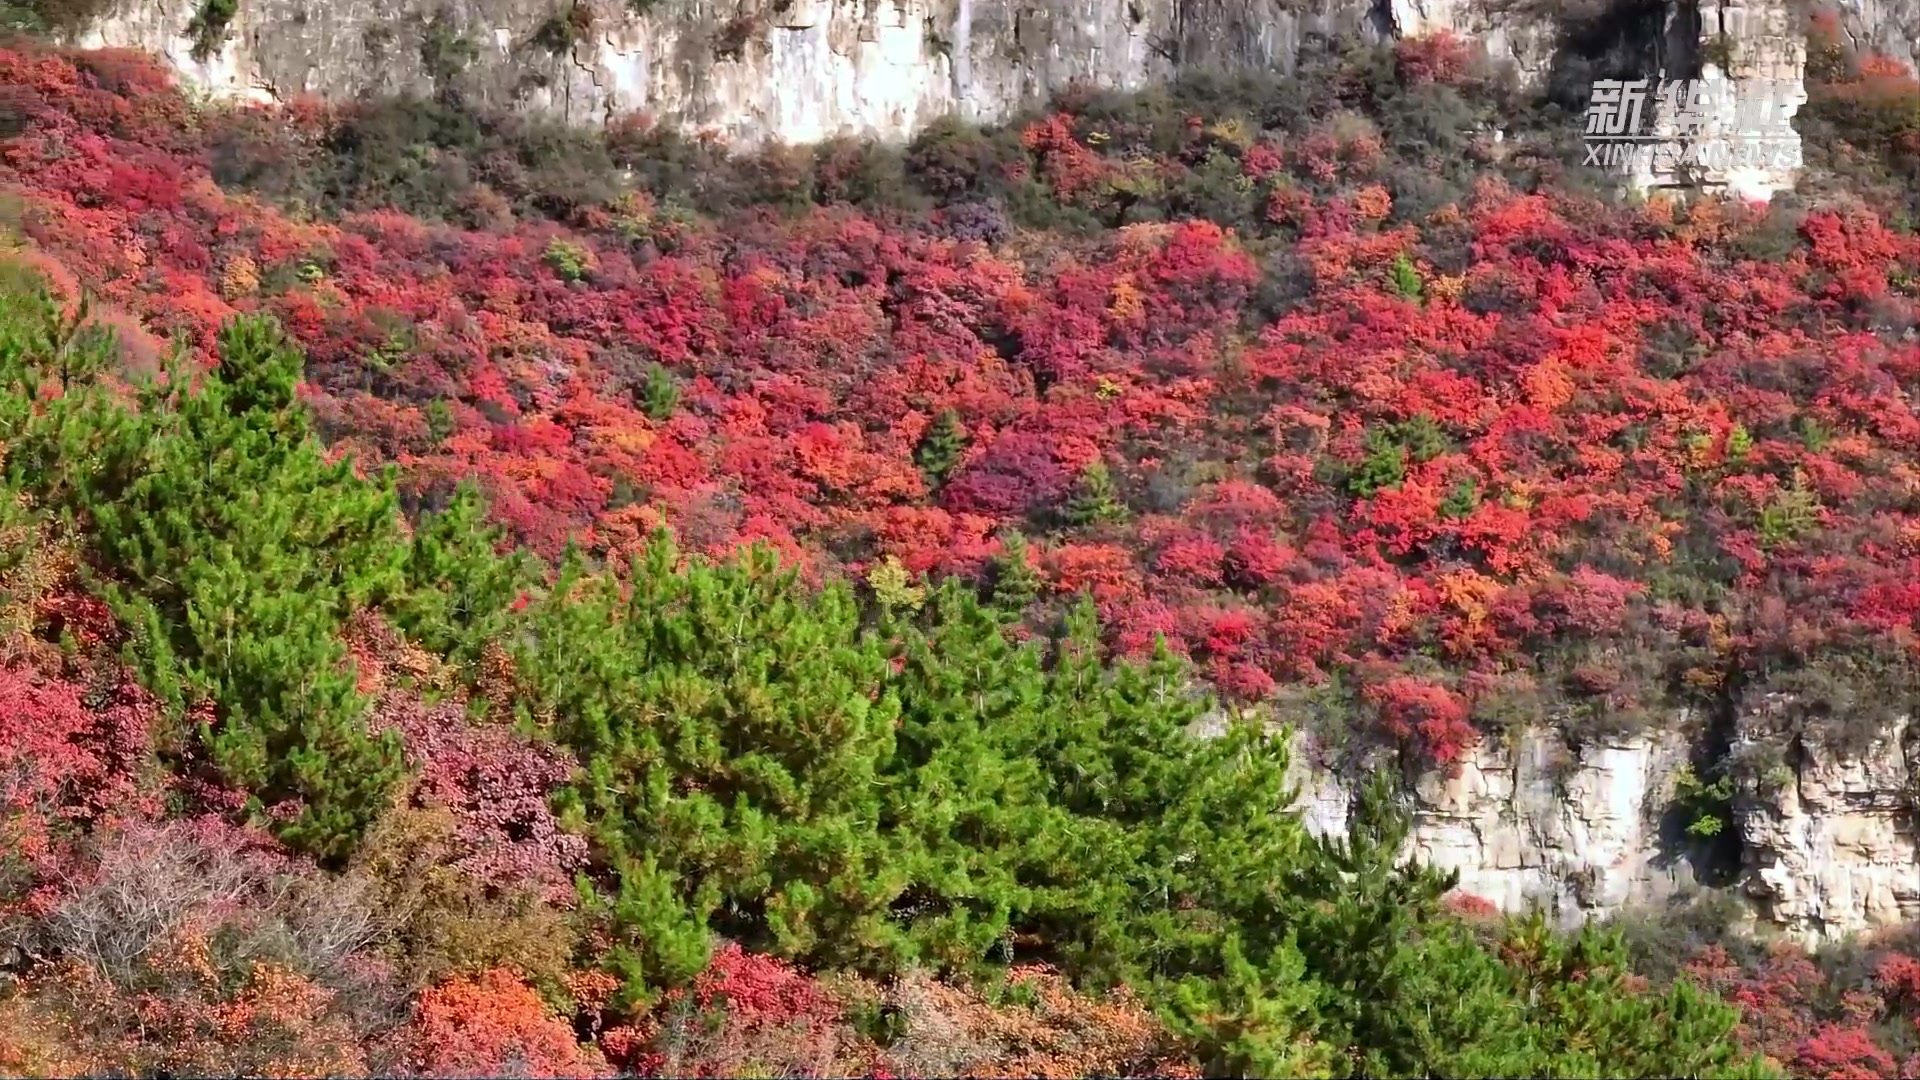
point(482, 597)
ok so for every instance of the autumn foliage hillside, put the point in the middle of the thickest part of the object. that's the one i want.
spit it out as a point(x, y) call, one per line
point(295, 786)
point(1310, 388)
point(1507, 453)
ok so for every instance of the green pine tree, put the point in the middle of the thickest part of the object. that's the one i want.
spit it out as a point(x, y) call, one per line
point(1406, 279)
point(1013, 581)
point(1255, 1017)
point(1422, 436)
point(1159, 858)
point(964, 785)
point(236, 553)
point(660, 394)
point(440, 421)
point(1358, 912)
point(1095, 500)
point(941, 448)
point(731, 725)
point(1461, 501)
point(1384, 466)
point(458, 587)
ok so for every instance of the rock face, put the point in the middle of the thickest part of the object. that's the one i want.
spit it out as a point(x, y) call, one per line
point(1738, 136)
point(753, 71)
point(1829, 836)
point(1890, 27)
point(1575, 832)
point(1825, 840)
point(1526, 41)
point(749, 71)
point(799, 71)
point(1535, 823)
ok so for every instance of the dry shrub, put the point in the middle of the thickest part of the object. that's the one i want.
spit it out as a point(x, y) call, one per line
point(191, 1018)
point(198, 948)
point(154, 883)
point(1056, 1032)
point(445, 922)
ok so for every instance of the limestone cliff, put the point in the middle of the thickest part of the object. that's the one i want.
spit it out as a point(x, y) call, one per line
point(1754, 53)
point(1890, 27)
point(1532, 822)
point(804, 70)
point(799, 71)
point(1823, 841)
point(1829, 834)
point(747, 70)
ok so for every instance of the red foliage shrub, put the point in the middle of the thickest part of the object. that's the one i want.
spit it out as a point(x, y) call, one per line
point(1899, 978)
point(495, 1025)
point(1837, 1053)
point(746, 1013)
point(1440, 57)
point(1813, 1018)
point(69, 758)
point(1470, 906)
point(756, 987)
point(498, 786)
point(1432, 716)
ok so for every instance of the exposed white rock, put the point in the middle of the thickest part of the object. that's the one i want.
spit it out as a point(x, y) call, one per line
point(1536, 824)
point(788, 70)
point(1528, 45)
point(1752, 55)
point(161, 29)
point(799, 71)
point(1888, 27)
point(1323, 798)
point(1829, 843)
point(796, 71)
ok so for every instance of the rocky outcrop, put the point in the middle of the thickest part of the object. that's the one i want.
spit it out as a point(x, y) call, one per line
point(1574, 831)
point(757, 70)
point(1828, 836)
point(801, 71)
point(1888, 27)
point(1748, 58)
point(748, 71)
point(1824, 841)
point(795, 70)
point(1504, 31)
point(1533, 822)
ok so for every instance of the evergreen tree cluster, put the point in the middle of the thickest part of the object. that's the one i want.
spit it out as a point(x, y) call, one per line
point(234, 551)
point(845, 784)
